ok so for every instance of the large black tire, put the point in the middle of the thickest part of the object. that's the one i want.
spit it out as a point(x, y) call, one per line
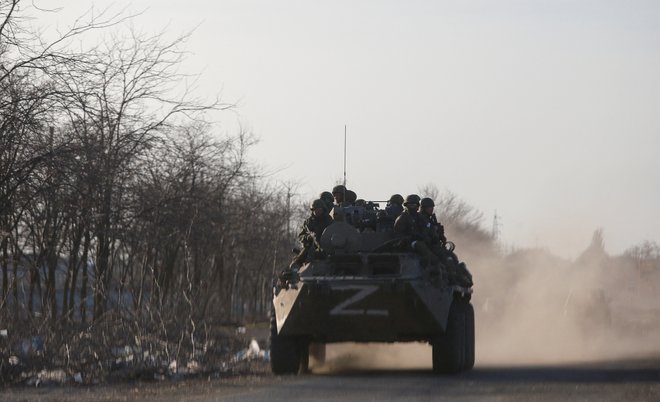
point(469, 337)
point(449, 348)
point(303, 347)
point(288, 354)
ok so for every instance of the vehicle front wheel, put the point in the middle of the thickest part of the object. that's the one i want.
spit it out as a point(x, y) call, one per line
point(469, 337)
point(449, 348)
point(288, 354)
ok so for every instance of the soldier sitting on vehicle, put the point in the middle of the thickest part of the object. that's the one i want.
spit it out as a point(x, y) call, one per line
point(329, 200)
point(407, 226)
point(351, 197)
point(394, 206)
point(393, 209)
point(406, 223)
point(432, 234)
point(351, 212)
point(412, 227)
point(339, 193)
point(310, 233)
point(345, 210)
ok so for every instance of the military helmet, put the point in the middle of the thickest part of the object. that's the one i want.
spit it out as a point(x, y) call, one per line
point(338, 189)
point(412, 199)
point(426, 202)
point(318, 204)
point(351, 196)
point(326, 196)
point(360, 202)
point(396, 199)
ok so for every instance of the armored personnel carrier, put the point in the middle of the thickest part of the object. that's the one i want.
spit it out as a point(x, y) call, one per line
point(366, 289)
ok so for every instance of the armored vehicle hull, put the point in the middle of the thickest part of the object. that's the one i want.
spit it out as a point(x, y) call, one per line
point(366, 296)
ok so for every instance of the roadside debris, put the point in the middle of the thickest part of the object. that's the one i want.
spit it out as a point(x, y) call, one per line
point(252, 352)
point(35, 360)
point(48, 378)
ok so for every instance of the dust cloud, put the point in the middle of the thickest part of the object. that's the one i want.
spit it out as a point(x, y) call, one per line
point(348, 356)
point(535, 308)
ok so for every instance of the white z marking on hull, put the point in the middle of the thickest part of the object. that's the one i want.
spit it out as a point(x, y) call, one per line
point(364, 291)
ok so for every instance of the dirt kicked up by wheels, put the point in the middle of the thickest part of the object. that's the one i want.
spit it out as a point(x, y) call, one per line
point(367, 288)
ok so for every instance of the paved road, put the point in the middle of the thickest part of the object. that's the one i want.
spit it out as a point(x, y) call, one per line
point(629, 380)
point(620, 381)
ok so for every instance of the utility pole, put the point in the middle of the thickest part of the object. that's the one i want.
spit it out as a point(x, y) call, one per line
point(495, 231)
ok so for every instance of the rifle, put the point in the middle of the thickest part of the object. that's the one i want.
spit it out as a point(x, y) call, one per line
point(310, 233)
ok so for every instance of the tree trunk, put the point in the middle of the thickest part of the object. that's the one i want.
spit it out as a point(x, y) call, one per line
point(17, 260)
point(84, 284)
point(72, 277)
point(4, 261)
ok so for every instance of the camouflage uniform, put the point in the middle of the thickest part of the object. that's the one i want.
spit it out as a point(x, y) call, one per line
point(312, 229)
point(407, 224)
point(433, 235)
point(431, 231)
point(310, 233)
point(328, 199)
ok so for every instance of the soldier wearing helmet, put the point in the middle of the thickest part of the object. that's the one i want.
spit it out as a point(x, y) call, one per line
point(328, 199)
point(350, 197)
point(310, 233)
point(339, 193)
point(433, 231)
point(346, 210)
point(407, 223)
point(394, 206)
point(433, 235)
point(409, 226)
point(392, 211)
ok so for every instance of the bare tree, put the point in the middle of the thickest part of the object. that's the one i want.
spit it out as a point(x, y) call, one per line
point(27, 95)
point(118, 202)
point(119, 102)
point(463, 222)
point(451, 209)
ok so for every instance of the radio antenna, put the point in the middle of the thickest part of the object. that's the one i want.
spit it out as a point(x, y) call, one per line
point(344, 155)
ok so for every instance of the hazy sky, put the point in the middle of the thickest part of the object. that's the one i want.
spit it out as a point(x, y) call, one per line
point(546, 111)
